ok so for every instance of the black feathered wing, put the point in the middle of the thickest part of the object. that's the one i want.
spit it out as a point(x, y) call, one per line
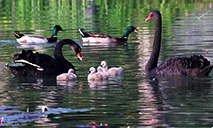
point(195, 65)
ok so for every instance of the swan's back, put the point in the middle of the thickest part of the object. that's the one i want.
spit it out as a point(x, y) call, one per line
point(37, 64)
point(41, 60)
point(195, 65)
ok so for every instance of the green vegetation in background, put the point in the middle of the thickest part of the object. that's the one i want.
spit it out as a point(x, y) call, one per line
point(97, 15)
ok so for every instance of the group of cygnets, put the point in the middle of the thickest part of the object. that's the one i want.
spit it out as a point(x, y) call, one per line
point(103, 73)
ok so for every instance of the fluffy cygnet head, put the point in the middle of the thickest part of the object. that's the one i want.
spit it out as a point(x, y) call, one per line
point(103, 64)
point(93, 75)
point(92, 70)
point(71, 71)
point(100, 69)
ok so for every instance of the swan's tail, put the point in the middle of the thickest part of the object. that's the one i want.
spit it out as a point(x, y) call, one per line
point(206, 70)
point(17, 34)
point(83, 34)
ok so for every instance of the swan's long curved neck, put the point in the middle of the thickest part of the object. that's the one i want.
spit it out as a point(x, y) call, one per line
point(153, 60)
point(58, 51)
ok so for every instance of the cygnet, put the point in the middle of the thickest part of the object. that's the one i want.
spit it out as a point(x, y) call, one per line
point(114, 71)
point(67, 76)
point(104, 74)
point(93, 75)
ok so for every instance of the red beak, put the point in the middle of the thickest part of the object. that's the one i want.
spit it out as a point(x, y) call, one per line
point(149, 17)
point(79, 56)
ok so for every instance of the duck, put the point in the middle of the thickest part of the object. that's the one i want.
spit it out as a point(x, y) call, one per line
point(27, 39)
point(94, 76)
point(114, 71)
point(67, 76)
point(90, 37)
point(189, 65)
point(38, 64)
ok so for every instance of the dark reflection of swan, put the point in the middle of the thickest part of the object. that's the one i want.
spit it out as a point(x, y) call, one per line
point(39, 82)
point(164, 98)
point(36, 64)
point(195, 65)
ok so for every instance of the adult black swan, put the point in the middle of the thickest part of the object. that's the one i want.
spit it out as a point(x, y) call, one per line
point(36, 64)
point(195, 65)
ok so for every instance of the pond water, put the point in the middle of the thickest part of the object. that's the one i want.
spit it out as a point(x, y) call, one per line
point(132, 100)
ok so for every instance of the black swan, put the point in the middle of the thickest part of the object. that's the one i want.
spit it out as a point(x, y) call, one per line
point(91, 37)
point(26, 39)
point(36, 64)
point(195, 65)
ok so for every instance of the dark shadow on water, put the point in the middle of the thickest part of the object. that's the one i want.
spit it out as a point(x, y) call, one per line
point(39, 81)
point(31, 91)
point(28, 93)
point(178, 101)
point(181, 83)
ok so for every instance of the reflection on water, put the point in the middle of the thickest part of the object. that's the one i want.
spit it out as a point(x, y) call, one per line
point(175, 101)
point(132, 100)
point(66, 83)
point(15, 116)
point(183, 97)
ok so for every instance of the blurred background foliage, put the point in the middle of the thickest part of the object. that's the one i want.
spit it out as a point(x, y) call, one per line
point(93, 15)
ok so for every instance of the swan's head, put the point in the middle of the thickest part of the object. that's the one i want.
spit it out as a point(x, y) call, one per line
point(103, 64)
point(77, 49)
point(153, 15)
point(71, 71)
point(92, 70)
point(80, 56)
point(100, 69)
